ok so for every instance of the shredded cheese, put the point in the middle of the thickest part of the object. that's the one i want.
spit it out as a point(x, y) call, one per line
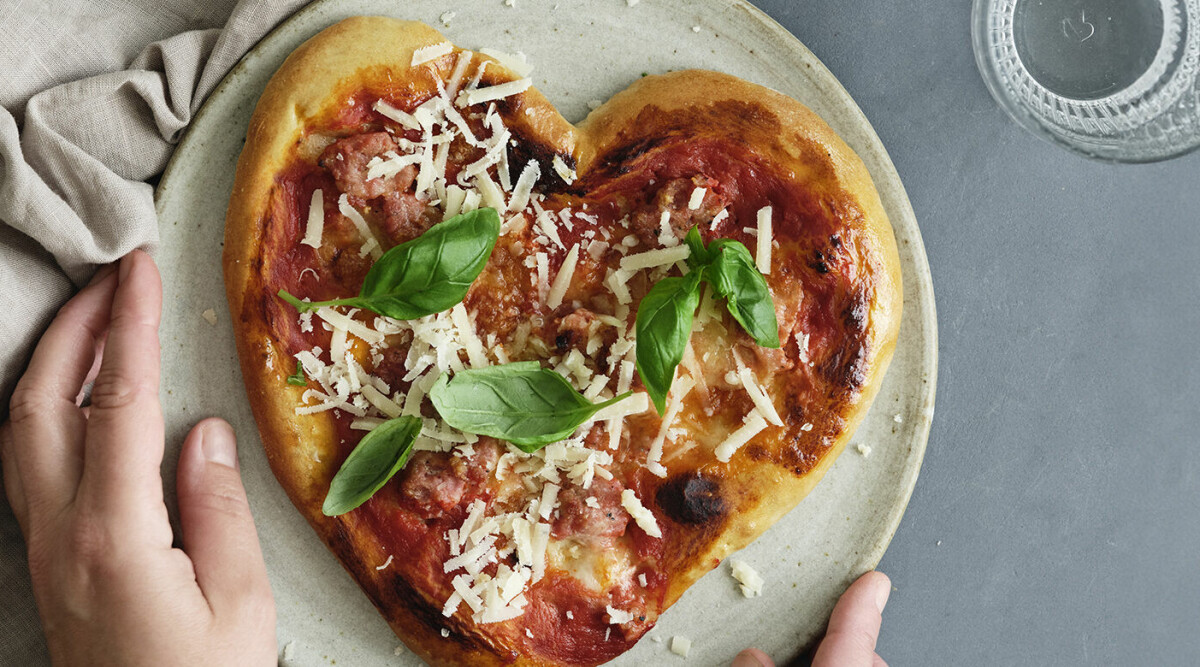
point(563, 280)
point(754, 424)
point(697, 198)
point(432, 52)
point(642, 516)
point(762, 258)
point(751, 582)
point(316, 220)
point(497, 92)
point(651, 259)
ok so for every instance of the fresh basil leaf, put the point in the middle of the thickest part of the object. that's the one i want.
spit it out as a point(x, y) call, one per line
point(700, 255)
point(427, 274)
point(521, 402)
point(664, 324)
point(379, 455)
point(298, 378)
point(734, 276)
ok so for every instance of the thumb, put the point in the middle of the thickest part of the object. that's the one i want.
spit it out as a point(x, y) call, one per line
point(854, 624)
point(218, 531)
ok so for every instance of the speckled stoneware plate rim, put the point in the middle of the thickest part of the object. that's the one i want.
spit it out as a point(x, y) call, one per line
point(323, 616)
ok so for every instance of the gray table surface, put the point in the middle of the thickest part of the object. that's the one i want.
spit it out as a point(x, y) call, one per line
point(1057, 517)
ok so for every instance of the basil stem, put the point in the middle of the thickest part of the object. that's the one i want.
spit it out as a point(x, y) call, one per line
point(520, 402)
point(664, 324)
point(298, 378)
point(427, 274)
point(379, 455)
point(732, 273)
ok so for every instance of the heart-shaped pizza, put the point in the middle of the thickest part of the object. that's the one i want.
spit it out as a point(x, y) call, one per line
point(527, 380)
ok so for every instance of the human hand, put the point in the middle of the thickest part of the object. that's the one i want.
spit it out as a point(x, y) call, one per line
point(85, 486)
point(853, 628)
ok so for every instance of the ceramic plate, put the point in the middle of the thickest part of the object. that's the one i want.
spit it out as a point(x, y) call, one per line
point(582, 50)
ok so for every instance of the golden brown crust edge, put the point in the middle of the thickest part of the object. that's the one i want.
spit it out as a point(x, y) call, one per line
point(342, 54)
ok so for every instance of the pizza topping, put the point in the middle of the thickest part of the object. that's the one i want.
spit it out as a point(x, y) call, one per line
point(618, 616)
point(642, 516)
point(592, 512)
point(349, 160)
point(521, 403)
point(765, 236)
point(432, 52)
point(563, 279)
point(515, 62)
point(754, 423)
point(316, 220)
point(426, 275)
point(491, 93)
point(378, 456)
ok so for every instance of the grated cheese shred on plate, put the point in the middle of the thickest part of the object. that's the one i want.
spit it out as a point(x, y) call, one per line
point(681, 646)
point(750, 580)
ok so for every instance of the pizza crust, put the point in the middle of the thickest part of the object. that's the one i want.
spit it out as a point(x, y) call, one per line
point(324, 71)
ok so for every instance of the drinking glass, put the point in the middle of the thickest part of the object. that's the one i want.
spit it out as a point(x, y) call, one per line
point(1116, 80)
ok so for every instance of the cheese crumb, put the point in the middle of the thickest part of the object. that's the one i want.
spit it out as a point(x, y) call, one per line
point(385, 563)
point(289, 651)
point(618, 616)
point(751, 582)
point(681, 645)
point(399, 650)
point(210, 316)
point(445, 632)
point(899, 419)
point(695, 28)
point(863, 450)
point(632, 3)
point(447, 17)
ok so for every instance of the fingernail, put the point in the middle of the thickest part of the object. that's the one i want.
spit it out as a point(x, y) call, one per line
point(218, 443)
point(747, 658)
point(883, 590)
point(103, 272)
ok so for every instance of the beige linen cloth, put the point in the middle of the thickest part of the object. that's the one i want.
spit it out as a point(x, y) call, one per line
point(91, 107)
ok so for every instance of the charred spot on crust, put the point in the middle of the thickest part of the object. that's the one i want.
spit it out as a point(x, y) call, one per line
point(846, 368)
point(692, 500)
point(618, 161)
point(528, 149)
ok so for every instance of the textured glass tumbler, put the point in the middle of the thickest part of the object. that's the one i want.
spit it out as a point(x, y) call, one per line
point(1115, 80)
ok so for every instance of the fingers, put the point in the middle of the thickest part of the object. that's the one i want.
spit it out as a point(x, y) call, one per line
point(218, 531)
point(12, 481)
point(854, 624)
point(752, 657)
point(124, 444)
point(45, 419)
